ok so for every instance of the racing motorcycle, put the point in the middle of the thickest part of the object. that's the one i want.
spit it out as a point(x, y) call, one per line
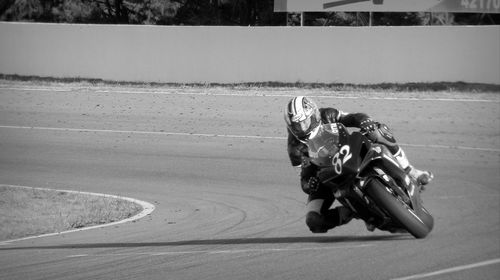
point(366, 177)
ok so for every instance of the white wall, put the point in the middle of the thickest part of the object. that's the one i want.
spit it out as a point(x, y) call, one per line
point(252, 54)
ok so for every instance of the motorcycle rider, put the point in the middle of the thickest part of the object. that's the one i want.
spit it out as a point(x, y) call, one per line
point(303, 117)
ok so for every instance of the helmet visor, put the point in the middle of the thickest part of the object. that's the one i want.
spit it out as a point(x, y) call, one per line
point(303, 128)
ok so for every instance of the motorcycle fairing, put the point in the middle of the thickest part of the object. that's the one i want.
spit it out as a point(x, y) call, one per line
point(337, 153)
point(324, 145)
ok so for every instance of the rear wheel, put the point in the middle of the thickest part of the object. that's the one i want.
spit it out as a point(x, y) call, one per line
point(398, 210)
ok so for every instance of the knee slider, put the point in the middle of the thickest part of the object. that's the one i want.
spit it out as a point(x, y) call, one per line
point(316, 222)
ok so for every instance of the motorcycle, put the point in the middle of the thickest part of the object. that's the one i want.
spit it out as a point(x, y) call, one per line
point(366, 177)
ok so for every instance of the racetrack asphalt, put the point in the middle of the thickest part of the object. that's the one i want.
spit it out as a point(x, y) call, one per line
point(228, 205)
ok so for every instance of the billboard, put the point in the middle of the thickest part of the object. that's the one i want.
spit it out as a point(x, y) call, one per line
point(458, 6)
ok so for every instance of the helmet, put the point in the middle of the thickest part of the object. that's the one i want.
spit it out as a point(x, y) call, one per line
point(302, 116)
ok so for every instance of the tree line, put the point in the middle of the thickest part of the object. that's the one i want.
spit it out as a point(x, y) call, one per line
point(214, 12)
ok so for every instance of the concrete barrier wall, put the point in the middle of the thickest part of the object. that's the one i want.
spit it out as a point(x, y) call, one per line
point(182, 54)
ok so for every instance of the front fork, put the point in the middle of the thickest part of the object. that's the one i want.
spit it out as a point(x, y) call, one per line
point(381, 161)
point(362, 205)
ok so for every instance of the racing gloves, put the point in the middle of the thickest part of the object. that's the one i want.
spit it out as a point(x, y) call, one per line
point(368, 126)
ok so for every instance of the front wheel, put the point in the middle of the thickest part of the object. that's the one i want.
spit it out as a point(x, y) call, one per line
point(397, 209)
point(427, 218)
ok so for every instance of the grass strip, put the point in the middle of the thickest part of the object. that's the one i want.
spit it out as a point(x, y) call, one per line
point(31, 211)
point(396, 87)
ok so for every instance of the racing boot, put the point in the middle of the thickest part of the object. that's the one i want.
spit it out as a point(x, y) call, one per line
point(422, 177)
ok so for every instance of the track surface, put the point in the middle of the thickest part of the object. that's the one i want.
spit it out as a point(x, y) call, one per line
point(230, 207)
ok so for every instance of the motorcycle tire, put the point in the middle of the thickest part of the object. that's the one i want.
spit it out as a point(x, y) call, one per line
point(397, 209)
point(427, 218)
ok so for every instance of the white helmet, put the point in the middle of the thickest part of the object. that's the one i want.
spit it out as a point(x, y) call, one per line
point(302, 116)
